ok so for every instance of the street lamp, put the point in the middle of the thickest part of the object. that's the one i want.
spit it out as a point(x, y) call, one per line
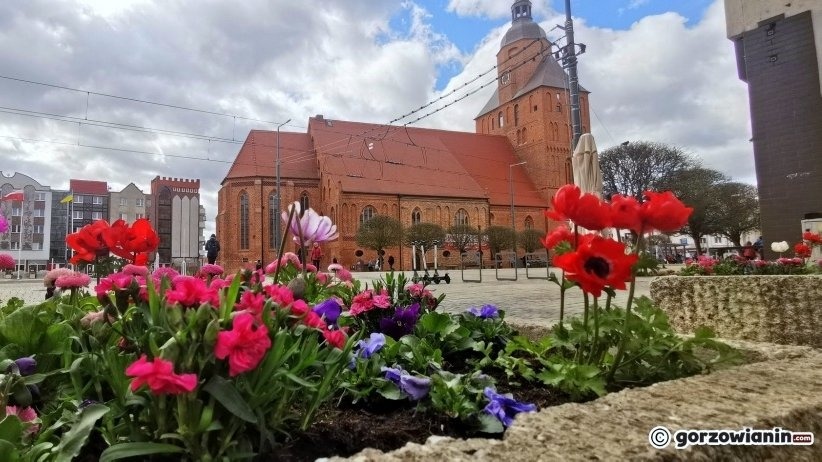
point(513, 220)
point(277, 224)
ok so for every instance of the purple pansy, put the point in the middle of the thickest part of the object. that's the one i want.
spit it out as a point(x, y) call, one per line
point(329, 309)
point(415, 387)
point(485, 312)
point(505, 407)
point(367, 348)
point(26, 365)
point(402, 322)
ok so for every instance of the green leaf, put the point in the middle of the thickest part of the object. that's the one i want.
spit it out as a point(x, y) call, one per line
point(73, 440)
point(704, 332)
point(436, 323)
point(8, 452)
point(11, 429)
point(227, 394)
point(490, 424)
point(124, 450)
point(23, 328)
point(390, 392)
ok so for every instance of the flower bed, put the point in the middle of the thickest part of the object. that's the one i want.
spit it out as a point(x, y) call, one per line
point(777, 309)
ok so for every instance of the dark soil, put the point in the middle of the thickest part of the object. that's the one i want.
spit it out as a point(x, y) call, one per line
point(389, 425)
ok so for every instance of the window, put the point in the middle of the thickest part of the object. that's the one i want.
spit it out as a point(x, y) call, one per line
point(77, 215)
point(493, 124)
point(41, 196)
point(39, 212)
point(559, 107)
point(15, 229)
point(244, 221)
point(123, 202)
point(529, 223)
point(461, 218)
point(704, 240)
point(717, 240)
point(139, 202)
point(499, 116)
point(78, 199)
point(516, 115)
point(139, 216)
point(304, 203)
point(524, 135)
point(15, 245)
point(16, 212)
point(416, 216)
point(97, 200)
point(124, 216)
point(38, 229)
point(96, 215)
point(367, 213)
point(273, 210)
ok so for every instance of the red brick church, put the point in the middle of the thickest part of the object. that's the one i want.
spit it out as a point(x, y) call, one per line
point(352, 171)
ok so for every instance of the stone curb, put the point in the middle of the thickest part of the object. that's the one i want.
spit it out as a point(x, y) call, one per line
point(780, 391)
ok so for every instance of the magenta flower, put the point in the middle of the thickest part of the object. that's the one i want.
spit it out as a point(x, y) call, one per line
point(73, 281)
point(212, 270)
point(135, 270)
point(160, 377)
point(7, 262)
point(251, 302)
point(166, 271)
point(367, 301)
point(315, 228)
point(191, 292)
point(243, 345)
point(4, 224)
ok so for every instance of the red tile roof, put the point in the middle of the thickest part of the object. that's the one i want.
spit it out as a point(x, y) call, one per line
point(258, 156)
point(88, 187)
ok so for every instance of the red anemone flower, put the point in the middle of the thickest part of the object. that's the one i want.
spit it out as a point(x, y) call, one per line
point(585, 210)
point(596, 263)
point(625, 213)
point(664, 212)
point(813, 238)
point(802, 250)
point(132, 242)
point(89, 242)
point(558, 235)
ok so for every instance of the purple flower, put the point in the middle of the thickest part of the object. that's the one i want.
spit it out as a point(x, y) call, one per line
point(505, 407)
point(486, 312)
point(402, 322)
point(367, 348)
point(329, 309)
point(415, 387)
point(315, 228)
point(26, 365)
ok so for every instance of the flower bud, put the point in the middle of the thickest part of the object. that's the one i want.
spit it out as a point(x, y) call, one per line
point(27, 365)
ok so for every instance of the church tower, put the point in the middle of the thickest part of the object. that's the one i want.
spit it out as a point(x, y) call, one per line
point(531, 105)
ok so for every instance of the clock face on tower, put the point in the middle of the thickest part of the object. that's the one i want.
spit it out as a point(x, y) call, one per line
point(505, 78)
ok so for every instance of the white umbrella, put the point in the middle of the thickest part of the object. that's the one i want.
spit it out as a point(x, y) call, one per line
point(587, 174)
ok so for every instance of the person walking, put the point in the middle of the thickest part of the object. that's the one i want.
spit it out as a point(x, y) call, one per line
point(316, 255)
point(212, 248)
point(748, 251)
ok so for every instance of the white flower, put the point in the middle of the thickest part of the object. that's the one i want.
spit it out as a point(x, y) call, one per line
point(780, 247)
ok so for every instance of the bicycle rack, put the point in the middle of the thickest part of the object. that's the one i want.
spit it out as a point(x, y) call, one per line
point(541, 257)
point(462, 266)
point(512, 258)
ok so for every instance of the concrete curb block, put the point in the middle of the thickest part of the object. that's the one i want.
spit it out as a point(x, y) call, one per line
point(780, 391)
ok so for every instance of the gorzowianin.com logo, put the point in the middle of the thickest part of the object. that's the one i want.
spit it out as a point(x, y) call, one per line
point(660, 437)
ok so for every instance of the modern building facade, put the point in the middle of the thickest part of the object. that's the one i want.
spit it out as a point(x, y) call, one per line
point(352, 171)
point(779, 55)
point(175, 214)
point(90, 202)
point(29, 235)
point(128, 205)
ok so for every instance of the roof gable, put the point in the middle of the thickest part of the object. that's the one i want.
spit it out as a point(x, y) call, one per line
point(258, 156)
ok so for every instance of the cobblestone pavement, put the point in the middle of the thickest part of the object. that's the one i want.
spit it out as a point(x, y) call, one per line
point(528, 301)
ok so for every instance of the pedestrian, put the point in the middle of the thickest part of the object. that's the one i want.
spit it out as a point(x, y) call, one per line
point(748, 251)
point(212, 248)
point(758, 245)
point(316, 255)
point(391, 262)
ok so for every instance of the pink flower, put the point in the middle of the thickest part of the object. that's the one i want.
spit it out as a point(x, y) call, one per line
point(367, 301)
point(322, 278)
point(252, 302)
point(310, 268)
point(334, 267)
point(335, 338)
point(25, 414)
point(52, 275)
point(315, 228)
point(4, 224)
point(135, 270)
point(219, 284)
point(418, 290)
point(212, 270)
point(288, 257)
point(344, 275)
point(244, 346)
point(281, 295)
point(7, 262)
point(160, 377)
point(190, 292)
point(73, 281)
point(383, 300)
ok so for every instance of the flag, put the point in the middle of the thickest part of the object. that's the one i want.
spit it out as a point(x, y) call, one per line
point(67, 199)
point(14, 196)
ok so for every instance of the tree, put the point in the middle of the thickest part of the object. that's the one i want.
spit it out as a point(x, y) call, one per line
point(499, 237)
point(636, 167)
point(425, 234)
point(738, 210)
point(462, 236)
point(700, 188)
point(379, 232)
point(529, 239)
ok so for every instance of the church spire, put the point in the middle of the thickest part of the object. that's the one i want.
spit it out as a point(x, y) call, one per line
point(521, 10)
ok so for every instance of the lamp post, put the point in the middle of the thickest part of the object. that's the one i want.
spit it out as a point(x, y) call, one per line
point(277, 224)
point(513, 219)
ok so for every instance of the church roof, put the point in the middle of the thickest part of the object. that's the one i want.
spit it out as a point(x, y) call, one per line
point(395, 160)
point(258, 156)
point(522, 29)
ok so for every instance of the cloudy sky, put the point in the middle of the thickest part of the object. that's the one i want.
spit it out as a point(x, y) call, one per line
point(659, 70)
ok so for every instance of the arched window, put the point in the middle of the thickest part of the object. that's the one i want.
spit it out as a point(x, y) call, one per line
point(416, 216)
point(243, 221)
point(304, 202)
point(273, 211)
point(492, 123)
point(519, 137)
point(516, 115)
point(461, 218)
point(367, 213)
point(529, 223)
point(524, 135)
point(559, 107)
point(499, 116)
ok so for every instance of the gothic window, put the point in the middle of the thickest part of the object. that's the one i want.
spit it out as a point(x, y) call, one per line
point(244, 221)
point(516, 115)
point(461, 218)
point(273, 210)
point(304, 203)
point(416, 216)
point(529, 223)
point(519, 137)
point(492, 123)
point(367, 213)
point(524, 135)
point(499, 116)
point(559, 107)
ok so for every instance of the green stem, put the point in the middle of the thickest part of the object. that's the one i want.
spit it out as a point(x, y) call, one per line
point(625, 328)
point(282, 245)
point(595, 343)
point(562, 299)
